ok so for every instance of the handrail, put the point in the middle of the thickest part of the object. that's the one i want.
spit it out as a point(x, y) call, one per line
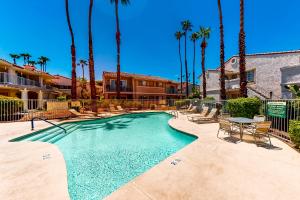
point(32, 124)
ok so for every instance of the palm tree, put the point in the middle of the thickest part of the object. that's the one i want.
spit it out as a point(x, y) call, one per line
point(73, 53)
point(91, 58)
point(14, 57)
point(118, 39)
point(242, 53)
point(222, 54)
point(178, 36)
point(204, 33)
point(83, 64)
point(31, 62)
point(41, 64)
point(26, 57)
point(194, 38)
point(186, 27)
point(44, 61)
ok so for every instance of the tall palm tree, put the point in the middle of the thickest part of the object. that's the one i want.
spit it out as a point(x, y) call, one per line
point(41, 64)
point(91, 58)
point(186, 27)
point(242, 53)
point(178, 36)
point(204, 33)
point(118, 39)
point(73, 53)
point(82, 63)
point(14, 57)
point(26, 57)
point(222, 53)
point(44, 60)
point(194, 38)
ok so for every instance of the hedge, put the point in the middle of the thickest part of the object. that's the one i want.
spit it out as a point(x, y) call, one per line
point(294, 132)
point(244, 107)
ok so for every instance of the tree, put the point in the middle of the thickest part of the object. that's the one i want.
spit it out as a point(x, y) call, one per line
point(194, 38)
point(118, 39)
point(26, 57)
point(242, 53)
point(91, 58)
point(14, 57)
point(43, 60)
point(186, 27)
point(178, 36)
point(204, 33)
point(73, 53)
point(222, 54)
point(83, 64)
point(31, 62)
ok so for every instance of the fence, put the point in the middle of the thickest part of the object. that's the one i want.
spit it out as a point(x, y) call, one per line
point(280, 112)
point(23, 110)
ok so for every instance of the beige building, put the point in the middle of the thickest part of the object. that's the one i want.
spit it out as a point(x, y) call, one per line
point(267, 75)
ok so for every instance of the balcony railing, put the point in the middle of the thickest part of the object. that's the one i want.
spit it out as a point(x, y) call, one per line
point(114, 89)
point(232, 84)
point(172, 91)
point(6, 78)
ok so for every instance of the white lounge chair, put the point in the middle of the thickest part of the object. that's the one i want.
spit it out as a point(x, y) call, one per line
point(209, 118)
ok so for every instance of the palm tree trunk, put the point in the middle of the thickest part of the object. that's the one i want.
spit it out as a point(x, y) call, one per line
point(186, 68)
point(91, 59)
point(179, 47)
point(194, 63)
point(82, 66)
point(222, 54)
point(73, 53)
point(242, 53)
point(203, 46)
point(118, 39)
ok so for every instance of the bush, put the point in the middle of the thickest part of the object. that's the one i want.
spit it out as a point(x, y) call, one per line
point(181, 103)
point(9, 106)
point(244, 107)
point(294, 132)
point(62, 98)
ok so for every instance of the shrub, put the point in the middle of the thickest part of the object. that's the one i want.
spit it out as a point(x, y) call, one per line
point(209, 99)
point(181, 103)
point(244, 107)
point(61, 98)
point(294, 132)
point(9, 106)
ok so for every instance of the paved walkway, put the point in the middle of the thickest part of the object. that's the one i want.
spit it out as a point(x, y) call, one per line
point(209, 168)
point(212, 168)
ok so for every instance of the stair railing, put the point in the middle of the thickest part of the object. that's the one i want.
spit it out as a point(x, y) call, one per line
point(32, 124)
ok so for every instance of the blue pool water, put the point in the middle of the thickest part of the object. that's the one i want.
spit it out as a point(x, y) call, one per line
point(102, 155)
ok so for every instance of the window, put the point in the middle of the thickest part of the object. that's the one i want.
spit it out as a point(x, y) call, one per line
point(112, 84)
point(250, 76)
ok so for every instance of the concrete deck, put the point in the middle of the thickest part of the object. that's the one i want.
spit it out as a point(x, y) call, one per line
point(210, 168)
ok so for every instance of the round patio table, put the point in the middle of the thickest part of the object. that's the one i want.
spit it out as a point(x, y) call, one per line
point(242, 121)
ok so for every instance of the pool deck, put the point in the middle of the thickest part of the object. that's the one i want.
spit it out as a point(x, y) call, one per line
point(208, 168)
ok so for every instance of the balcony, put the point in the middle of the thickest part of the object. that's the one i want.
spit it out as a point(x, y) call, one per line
point(232, 84)
point(6, 78)
point(172, 91)
point(114, 89)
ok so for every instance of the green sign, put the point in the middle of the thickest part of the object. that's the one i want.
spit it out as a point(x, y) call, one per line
point(277, 109)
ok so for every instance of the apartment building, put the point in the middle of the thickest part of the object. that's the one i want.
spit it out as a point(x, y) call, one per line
point(136, 86)
point(25, 82)
point(267, 75)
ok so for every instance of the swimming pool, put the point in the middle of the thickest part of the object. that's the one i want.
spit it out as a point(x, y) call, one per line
point(102, 155)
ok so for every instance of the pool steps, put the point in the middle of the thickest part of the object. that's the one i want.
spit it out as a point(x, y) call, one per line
point(53, 135)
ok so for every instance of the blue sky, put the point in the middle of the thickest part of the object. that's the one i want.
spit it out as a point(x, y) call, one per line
point(148, 27)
